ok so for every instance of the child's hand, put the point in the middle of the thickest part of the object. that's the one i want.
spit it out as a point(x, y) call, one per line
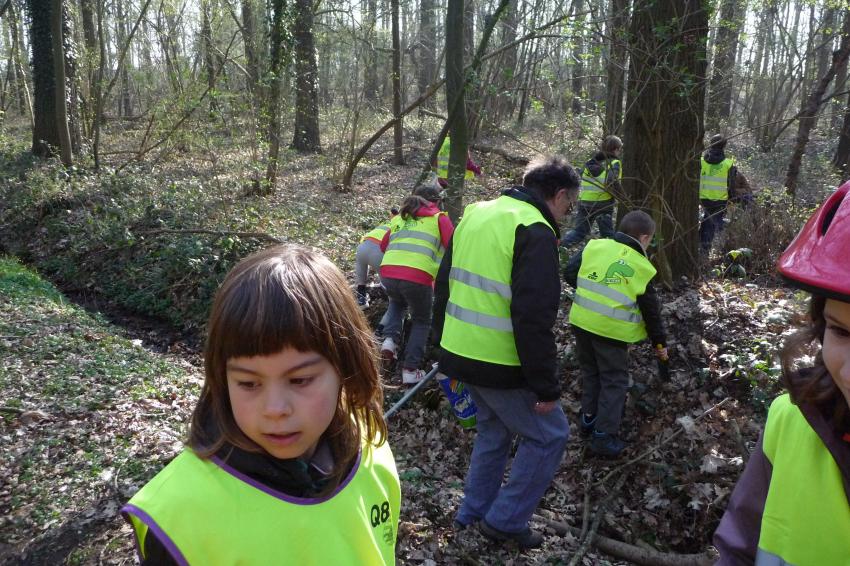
point(543, 407)
point(661, 353)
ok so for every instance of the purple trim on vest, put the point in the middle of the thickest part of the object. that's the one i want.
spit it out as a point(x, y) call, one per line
point(158, 532)
point(279, 494)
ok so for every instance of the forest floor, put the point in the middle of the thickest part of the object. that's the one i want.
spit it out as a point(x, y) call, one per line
point(91, 408)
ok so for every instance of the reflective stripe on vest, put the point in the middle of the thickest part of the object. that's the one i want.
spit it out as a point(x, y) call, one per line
point(611, 277)
point(416, 243)
point(443, 161)
point(207, 513)
point(593, 188)
point(377, 232)
point(478, 313)
point(713, 179)
point(806, 518)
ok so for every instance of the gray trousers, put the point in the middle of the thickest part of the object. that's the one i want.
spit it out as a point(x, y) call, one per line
point(368, 255)
point(605, 379)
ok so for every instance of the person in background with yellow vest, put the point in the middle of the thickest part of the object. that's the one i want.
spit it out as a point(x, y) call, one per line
point(615, 305)
point(600, 182)
point(368, 255)
point(443, 164)
point(287, 460)
point(719, 181)
point(413, 248)
point(497, 297)
point(792, 503)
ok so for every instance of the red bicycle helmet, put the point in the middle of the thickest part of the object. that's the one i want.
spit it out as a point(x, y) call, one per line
point(818, 260)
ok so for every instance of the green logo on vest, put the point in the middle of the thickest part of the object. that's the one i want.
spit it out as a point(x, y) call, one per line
point(618, 272)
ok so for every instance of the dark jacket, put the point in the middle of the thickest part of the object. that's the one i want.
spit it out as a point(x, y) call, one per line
point(535, 293)
point(736, 182)
point(738, 534)
point(648, 303)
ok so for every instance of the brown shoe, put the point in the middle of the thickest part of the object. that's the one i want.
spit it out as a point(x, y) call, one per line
point(524, 539)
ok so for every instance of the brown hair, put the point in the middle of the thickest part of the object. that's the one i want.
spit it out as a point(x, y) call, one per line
point(610, 144)
point(421, 197)
point(289, 296)
point(813, 386)
point(637, 223)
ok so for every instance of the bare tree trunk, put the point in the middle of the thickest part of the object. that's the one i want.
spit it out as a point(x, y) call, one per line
point(664, 125)
point(209, 59)
point(720, 88)
point(306, 135)
point(577, 57)
point(841, 159)
point(125, 107)
point(616, 65)
point(398, 130)
point(273, 101)
point(370, 79)
point(427, 47)
point(812, 106)
point(23, 93)
point(60, 104)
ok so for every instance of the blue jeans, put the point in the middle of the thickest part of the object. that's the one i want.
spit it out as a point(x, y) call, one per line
point(712, 223)
point(418, 298)
point(504, 414)
point(588, 212)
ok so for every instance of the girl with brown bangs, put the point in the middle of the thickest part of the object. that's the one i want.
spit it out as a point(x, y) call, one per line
point(287, 459)
point(792, 503)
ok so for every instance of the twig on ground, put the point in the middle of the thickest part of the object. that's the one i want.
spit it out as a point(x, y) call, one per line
point(14, 410)
point(659, 445)
point(597, 518)
point(585, 513)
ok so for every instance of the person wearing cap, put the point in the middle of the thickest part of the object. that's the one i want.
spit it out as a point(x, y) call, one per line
point(368, 255)
point(496, 301)
point(413, 248)
point(792, 503)
point(600, 182)
point(719, 181)
point(472, 169)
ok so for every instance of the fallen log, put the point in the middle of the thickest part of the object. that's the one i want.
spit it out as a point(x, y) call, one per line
point(632, 553)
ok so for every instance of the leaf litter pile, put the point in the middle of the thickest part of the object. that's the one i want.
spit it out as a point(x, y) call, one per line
point(76, 443)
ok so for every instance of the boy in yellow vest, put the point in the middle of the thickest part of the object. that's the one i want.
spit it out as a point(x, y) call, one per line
point(720, 181)
point(615, 305)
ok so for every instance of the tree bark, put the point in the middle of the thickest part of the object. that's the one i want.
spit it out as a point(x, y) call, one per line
point(577, 57)
point(398, 130)
point(720, 88)
point(427, 48)
point(209, 58)
point(370, 78)
point(57, 20)
point(664, 126)
point(23, 93)
point(813, 103)
point(273, 101)
point(306, 135)
point(841, 159)
point(615, 68)
point(45, 134)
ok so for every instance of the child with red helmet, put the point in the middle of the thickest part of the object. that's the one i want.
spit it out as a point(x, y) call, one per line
point(792, 503)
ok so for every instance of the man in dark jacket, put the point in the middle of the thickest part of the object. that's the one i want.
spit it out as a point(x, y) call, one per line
point(496, 299)
point(720, 182)
point(615, 305)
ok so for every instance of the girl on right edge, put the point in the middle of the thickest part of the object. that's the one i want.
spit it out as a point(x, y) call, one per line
point(792, 503)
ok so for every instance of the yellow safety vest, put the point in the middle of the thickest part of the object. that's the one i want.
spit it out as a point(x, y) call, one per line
point(377, 232)
point(713, 179)
point(478, 313)
point(610, 278)
point(206, 513)
point(806, 518)
point(443, 162)
point(416, 243)
point(593, 188)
